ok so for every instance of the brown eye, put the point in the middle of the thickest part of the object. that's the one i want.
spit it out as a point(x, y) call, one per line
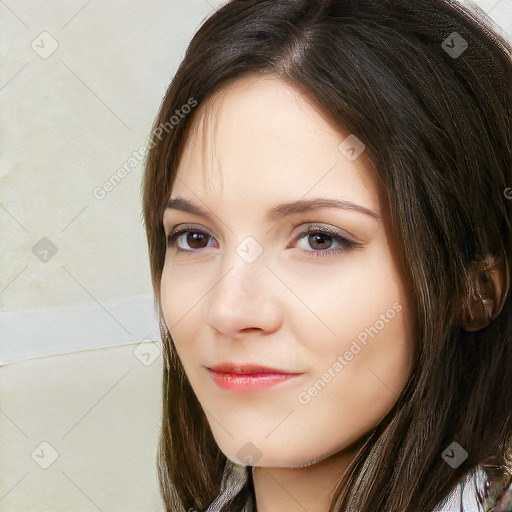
point(196, 240)
point(192, 238)
point(320, 241)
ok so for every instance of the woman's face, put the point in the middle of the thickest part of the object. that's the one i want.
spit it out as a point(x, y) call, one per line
point(247, 284)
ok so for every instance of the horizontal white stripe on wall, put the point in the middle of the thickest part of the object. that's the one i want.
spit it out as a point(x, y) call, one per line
point(34, 333)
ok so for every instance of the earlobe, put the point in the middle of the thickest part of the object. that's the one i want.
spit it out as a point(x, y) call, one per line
point(488, 287)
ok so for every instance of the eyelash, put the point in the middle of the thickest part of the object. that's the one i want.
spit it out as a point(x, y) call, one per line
point(312, 230)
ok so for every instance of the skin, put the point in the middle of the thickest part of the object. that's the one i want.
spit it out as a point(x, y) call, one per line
point(288, 308)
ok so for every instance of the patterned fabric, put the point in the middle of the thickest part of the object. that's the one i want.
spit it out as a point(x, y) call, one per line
point(504, 504)
point(463, 497)
point(234, 478)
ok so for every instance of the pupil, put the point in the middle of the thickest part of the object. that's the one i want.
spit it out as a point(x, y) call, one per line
point(322, 239)
point(195, 237)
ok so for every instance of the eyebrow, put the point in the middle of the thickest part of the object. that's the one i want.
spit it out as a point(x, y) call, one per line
point(278, 212)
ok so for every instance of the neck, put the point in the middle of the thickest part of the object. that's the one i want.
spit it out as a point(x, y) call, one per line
point(309, 488)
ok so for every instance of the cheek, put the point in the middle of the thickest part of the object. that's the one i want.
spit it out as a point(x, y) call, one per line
point(340, 302)
point(375, 366)
point(180, 292)
point(370, 347)
point(380, 348)
point(378, 330)
point(369, 384)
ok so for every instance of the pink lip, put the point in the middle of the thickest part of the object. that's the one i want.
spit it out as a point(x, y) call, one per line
point(247, 378)
point(246, 368)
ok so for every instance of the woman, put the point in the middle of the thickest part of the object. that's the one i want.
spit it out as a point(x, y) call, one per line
point(328, 215)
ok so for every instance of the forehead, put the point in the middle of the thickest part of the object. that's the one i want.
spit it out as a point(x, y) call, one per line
point(259, 137)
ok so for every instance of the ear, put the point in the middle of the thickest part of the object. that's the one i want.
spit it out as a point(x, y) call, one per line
point(488, 286)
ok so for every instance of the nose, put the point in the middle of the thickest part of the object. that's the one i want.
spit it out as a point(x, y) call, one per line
point(244, 300)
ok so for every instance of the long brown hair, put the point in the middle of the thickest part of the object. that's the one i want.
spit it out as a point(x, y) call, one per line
point(437, 127)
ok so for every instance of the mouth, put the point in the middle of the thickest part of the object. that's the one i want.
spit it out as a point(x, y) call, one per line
point(247, 378)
